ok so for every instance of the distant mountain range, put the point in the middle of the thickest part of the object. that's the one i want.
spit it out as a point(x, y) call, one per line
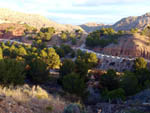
point(38, 21)
point(139, 22)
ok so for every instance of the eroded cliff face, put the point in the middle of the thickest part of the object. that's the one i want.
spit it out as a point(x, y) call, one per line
point(9, 30)
point(132, 46)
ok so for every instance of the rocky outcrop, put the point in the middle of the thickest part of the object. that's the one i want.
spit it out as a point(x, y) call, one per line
point(9, 30)
point(131, 45)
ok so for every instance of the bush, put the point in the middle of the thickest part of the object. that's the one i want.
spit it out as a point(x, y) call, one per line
point(129, 83)
point(73, 84)
point(142, 75)
point(81, 68)
point(116, 94)
point(11, 72)
point(67, 67)
point(140, 63)
point(37, 71)
point(73, 108)
point(109, 80)
point(103, 37)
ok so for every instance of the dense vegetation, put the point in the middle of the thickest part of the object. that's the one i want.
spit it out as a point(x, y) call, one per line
point(45, 34)
point(116, 86)
point(21, 63)
point(27, 62)
point(103, 37)
point(72, 37)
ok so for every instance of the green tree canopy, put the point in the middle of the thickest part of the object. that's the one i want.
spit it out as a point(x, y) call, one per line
point(53, 60)
point(129, 83)
point(140, 63)
point(1, 53)
point(67, 67)
point(110, 80)
point(11, 72)
point(73, 84)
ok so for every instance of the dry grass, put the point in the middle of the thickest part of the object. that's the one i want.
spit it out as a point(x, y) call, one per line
point(23, 93)
point(35, 98)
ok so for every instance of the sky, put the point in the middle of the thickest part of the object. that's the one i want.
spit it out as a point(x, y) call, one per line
point(80, 11)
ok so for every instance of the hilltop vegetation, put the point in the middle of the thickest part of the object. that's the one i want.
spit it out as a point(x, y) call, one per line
point(103, 37)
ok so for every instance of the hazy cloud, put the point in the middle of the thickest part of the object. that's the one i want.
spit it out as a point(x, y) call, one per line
point(80, 11)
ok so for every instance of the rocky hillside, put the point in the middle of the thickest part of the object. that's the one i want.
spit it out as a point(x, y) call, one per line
point(130, 45)
point(89, 27)
point(139, 22)
point(9, 30)
point(38, 21)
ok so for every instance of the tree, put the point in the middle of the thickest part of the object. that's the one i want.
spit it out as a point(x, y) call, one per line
point(115, 94)
point(92, 58)
point(11, 72)
point(43, 54)
point(36, 71)
point(39, 44)
point(129, 83)
point(22, 51)
point(142, 76)
point(1, 53)
point(53, 60)
point(73, 84)
point(67, 67)
point(81, 68)
point(59, 51)
point(109, 80)
point(64, 36)
point(67, 49)
point(140, 63)
point(46, 34)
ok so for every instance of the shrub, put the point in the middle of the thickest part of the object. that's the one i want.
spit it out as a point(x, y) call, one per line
point(11, 72)
point(67, 67)
point(109, 80)
point(73, 84)
point(81, 68)
point(116, 94)
point(129, 83)
point(142, 75)
point(37, 71)
point(140, 63)
point(73, 108)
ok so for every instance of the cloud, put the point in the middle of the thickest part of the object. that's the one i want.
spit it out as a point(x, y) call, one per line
point(108, 2)
point(80, 11)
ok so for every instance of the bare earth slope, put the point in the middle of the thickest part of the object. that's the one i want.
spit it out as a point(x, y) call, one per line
point(132, 45)
point(38, 21)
